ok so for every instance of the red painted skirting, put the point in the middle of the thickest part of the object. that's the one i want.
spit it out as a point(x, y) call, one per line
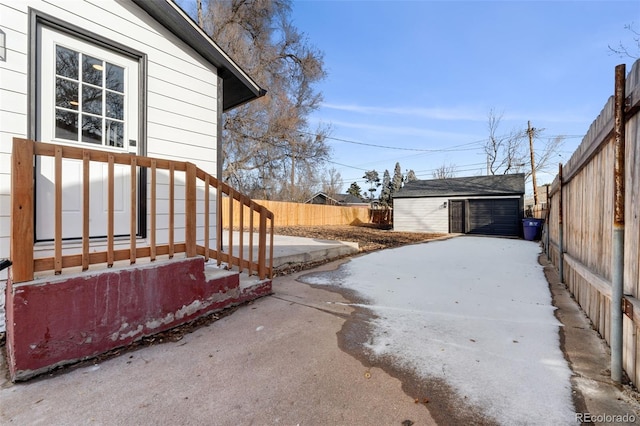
point(56, 321)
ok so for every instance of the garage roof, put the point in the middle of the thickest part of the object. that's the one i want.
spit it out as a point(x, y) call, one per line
point(467, 186)
point(238, 86)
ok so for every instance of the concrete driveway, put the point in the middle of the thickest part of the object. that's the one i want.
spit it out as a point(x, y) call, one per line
point(304, 356)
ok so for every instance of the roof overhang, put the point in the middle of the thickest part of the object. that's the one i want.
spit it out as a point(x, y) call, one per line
point(472, 186)
point(238, 87)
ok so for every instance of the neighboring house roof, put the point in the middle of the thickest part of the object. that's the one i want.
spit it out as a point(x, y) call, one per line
point(336, 199)
point(238, 86)
point(349, 199)
point(467, 186)
point(321, 195)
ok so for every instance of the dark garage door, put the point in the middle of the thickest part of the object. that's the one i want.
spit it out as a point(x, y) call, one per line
point(495, 217)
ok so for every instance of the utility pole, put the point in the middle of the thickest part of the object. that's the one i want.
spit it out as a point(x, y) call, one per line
point(530, 132)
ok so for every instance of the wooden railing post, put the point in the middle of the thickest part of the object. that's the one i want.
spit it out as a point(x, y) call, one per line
point(262, 244)
point(110, 209)
point(152, 237)
point(219, 223)
point(190, 210)
point(23, 213)
point(22, 210)
point(57, 209)
point(207, 188)
point(86, 181)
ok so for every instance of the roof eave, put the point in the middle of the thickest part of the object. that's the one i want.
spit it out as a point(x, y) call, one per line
point(238, 87)
point(427, 195)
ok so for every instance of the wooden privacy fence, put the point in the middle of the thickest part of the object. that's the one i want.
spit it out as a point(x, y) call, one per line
point(196, 216)
point(537, 211)
point(581, 222)
point(292, 214)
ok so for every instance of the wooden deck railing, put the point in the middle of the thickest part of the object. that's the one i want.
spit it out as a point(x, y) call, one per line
point(199, 186)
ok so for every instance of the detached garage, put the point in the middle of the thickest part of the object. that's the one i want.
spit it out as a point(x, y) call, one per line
point(486, 205)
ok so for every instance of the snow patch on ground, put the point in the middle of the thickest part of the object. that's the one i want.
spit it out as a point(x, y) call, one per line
point(473, 311)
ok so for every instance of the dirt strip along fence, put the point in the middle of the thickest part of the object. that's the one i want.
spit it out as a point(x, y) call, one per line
point(580, 223)
point(292, 214)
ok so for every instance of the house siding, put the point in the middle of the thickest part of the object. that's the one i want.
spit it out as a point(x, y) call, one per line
point(13, 111)
point(181, 87)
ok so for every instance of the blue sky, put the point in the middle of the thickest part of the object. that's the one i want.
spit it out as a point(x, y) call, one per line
point(420, 77)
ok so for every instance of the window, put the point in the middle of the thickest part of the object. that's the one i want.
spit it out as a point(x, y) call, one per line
point(87, 94)
point(89, 99)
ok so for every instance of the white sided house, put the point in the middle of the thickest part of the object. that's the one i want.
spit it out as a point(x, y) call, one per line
point(110, 136)
point(487, 205)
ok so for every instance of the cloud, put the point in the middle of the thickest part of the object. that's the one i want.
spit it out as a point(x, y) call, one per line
point(479, 114)
point(430, 113)
point(372, 131)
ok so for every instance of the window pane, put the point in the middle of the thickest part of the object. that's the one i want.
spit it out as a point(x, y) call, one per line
point(115, 132)
point(115, 106)
point(92, 70)
point(91, 100)
point(66, 125)
point(91, 129)
point(66, 93)
point(66, 62)
point(115, 78)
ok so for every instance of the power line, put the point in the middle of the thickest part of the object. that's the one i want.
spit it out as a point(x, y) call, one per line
point(449, 149)
point(344, 165)
point(453, 148)
point(457, 169)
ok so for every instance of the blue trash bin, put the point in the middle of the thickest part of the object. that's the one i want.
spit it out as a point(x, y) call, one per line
point(532, 228)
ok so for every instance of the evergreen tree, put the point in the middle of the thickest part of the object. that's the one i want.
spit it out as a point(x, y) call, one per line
point(411, 176)
point(386, 192)
point(372, 178)
point(355, 190)
point(396, 183)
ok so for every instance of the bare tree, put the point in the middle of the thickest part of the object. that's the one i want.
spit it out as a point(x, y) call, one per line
point(622, 51)
point(267, 144)
point(332, 183)
point(504, 152)
point(445, 171)
point(200, 17)
point(509, 153)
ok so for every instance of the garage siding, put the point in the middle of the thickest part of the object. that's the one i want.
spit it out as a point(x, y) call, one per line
point(427, 214)
point(420, 215)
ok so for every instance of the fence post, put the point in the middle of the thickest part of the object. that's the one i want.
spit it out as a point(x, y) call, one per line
point(548, 218)
point(617, 261)
point(190, 210)
point(22, 210)
point(560, 228)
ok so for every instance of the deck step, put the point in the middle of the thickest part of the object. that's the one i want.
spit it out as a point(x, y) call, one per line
point(104, 310)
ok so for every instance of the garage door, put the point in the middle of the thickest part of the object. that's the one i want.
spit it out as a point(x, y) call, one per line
point(495, 217)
